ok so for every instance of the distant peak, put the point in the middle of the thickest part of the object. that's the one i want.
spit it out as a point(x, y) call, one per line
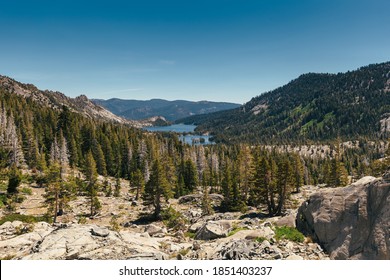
point(82, 97)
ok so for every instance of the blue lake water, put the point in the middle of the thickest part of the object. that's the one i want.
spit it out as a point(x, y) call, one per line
point(186, 132)
point(179, 128)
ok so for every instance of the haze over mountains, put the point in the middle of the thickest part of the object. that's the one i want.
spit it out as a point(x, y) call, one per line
point(313, 107)
point(170, 110)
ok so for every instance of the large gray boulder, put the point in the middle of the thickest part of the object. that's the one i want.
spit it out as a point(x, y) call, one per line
point(214, 229)
point(351, 222)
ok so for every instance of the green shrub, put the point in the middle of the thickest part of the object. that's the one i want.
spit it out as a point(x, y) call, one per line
point(173, 219)
point(190, 234)
point(184, 252)
point(82, 220)
point(260, 239)
point(288, 233)
point(15, 178)
point(25, 218)
point(26, 178)
point(27, 191)
point(3, 200)
point(24, 229)
point(114, 224)
point(236, 229)
point(7, 257)
point(3, 186)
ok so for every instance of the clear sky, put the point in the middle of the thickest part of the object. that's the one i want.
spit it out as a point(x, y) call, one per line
point(220, 50)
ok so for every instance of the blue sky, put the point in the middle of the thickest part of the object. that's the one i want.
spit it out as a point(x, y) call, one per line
point(195, 50)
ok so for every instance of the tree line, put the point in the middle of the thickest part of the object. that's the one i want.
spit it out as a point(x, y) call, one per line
point(53, 144)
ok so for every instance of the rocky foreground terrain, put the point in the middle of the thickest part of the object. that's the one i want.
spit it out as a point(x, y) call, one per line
point(344, 223)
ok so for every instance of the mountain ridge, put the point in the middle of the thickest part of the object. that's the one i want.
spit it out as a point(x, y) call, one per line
point(170, 110)
point(80, 104)
point(312, 107)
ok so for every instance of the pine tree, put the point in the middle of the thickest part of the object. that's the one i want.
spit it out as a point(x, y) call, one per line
point(246, 170)
point(206, 207)
point(200, 162)
point(170, 170)
point(138, 182)
point(54, 151)
point(53, 190)
point(9, 139)
point(264, 189)
point(190, 176)
point(91, 181)
point(338, 175)
point(298, 170)
point(99, 158)
point(226, 187)
point(180, 188)
point(157, 188)
point(117, 190)
point(285, 183)
point(64, 156)
point(14, 180)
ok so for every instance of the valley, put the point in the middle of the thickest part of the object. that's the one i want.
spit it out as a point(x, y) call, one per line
point(301, 172)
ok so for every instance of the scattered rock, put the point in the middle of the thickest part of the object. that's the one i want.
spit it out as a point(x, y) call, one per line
point(98, 231)
point(145, 234)
point(213, 230)
point(238, 250)
point(294, 257)
point(180, 235)
point(195, 246)
point(266, 232)
point(154, 230)
point(288, 221)
point(147, 256)
point(195, 227)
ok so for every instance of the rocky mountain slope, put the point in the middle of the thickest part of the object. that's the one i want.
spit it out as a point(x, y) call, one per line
point(56, 100)
point(230, 235)
point(170, 110)
point(313, 107)
point(339, 223)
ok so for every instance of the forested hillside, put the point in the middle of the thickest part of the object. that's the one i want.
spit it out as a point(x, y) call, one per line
point(54, 143)
point(312, 108)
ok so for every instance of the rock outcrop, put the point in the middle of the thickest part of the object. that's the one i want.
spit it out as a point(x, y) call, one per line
point(214, 230)
point(73, 241)
point(351, 222)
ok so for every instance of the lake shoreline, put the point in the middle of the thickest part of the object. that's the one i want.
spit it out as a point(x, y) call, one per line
point(186, 133)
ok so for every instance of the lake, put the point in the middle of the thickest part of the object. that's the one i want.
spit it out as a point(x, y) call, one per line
point(186, 133)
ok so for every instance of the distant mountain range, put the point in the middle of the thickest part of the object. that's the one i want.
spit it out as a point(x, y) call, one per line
point(313, 107)
point(80, 104)
point(170, 110)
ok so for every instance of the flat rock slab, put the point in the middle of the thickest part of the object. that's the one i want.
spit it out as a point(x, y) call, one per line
point(101, 232)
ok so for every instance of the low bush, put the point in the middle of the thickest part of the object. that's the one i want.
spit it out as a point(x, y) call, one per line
point(289, 233)
point(190, 234)
point(260, 239)
point(114, 224)
point(236, 229)
point(173, 219)
point(25, 218)
point(26, 190)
